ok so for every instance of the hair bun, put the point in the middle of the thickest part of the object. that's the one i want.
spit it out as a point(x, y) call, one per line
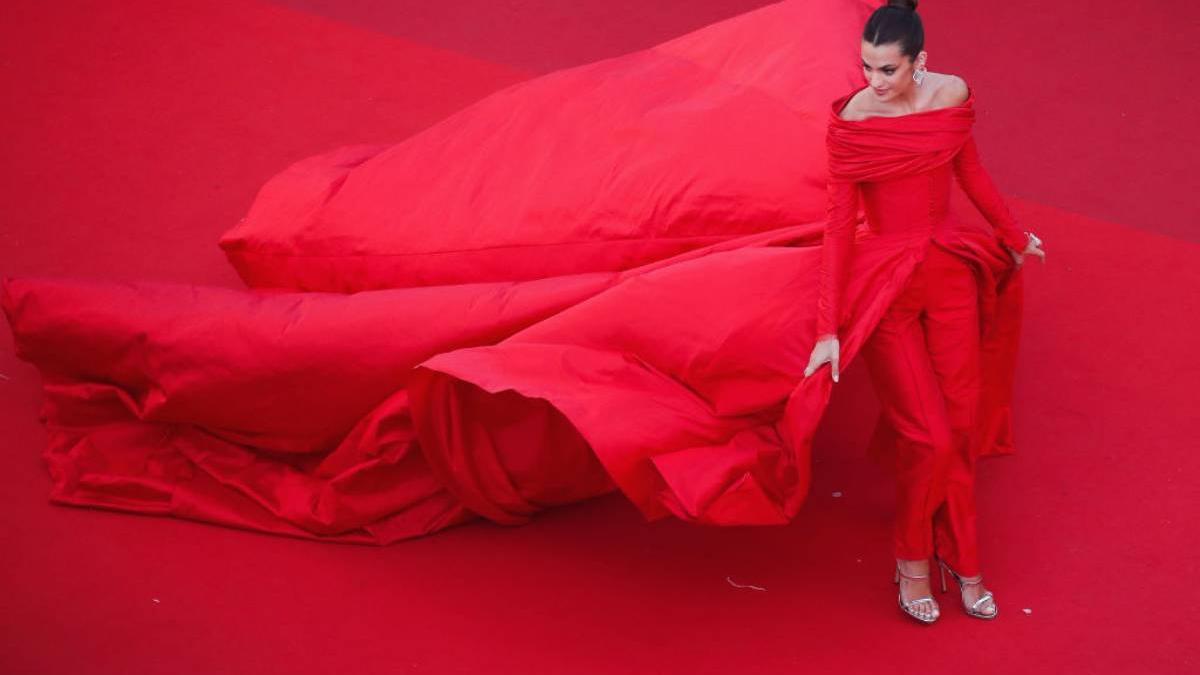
point(910, 5)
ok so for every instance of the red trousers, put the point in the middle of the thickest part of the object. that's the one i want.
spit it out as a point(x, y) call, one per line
point(924, 363)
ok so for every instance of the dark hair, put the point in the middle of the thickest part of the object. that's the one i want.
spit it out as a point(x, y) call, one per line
point(897, 21)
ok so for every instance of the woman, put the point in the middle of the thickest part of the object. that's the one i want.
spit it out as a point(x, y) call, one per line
point(924, 355)
point(627, 304)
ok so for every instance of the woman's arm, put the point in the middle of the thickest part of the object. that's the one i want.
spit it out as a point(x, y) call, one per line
point(836, 249)
point(978, 185)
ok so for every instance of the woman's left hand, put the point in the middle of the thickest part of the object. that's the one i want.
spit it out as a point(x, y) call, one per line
point(1034, 247)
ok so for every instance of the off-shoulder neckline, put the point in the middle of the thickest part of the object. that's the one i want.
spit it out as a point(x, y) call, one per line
point(837, 110)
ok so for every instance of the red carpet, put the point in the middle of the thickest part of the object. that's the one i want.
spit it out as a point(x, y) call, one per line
point(1091, 526)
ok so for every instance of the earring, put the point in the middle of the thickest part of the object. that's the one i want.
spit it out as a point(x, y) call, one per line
point(919, 75)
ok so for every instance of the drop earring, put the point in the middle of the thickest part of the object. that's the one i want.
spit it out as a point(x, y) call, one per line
point(919, 75)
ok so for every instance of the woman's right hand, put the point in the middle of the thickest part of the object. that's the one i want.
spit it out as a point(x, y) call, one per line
point(827, 350)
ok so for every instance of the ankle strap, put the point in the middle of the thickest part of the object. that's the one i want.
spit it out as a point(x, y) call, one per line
point(907, 576)
point(959, 577)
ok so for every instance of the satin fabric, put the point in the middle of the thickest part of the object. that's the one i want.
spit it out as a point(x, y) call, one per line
point(497, 385)
point(605, 166)
point(923, 358)
point(889, 186)
point(940, 345)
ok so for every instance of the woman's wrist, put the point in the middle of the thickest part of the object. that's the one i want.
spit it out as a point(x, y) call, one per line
point(1015, 239)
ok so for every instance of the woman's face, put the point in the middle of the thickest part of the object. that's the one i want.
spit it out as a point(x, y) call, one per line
point(888, 71)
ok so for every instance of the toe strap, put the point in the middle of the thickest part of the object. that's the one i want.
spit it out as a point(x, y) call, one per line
point(986, 597)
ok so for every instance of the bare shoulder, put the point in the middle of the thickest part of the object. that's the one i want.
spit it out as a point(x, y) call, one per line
point(951, 90)
point(854, 110)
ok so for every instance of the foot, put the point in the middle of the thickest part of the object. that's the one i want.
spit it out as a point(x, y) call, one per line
point(925, 608)
point(973, 591)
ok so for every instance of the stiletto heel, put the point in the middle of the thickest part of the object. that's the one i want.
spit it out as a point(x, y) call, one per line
point(973, 608)
point(907, 606)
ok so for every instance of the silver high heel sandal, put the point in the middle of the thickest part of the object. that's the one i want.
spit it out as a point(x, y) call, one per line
point(973, 608)
point(908, 607)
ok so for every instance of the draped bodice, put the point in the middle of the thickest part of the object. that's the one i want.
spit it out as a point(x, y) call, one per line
point(904, 203)
point(899, 170)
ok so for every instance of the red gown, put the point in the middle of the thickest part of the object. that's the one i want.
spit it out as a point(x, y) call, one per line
point(926, 356)
point(514, 379)
point(904, 166)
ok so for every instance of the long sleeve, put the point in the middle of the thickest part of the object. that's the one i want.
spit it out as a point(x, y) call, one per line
point(978, 185)
point(836, 249)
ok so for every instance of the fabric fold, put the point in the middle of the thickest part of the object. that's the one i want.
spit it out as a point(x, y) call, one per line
point(644, 331)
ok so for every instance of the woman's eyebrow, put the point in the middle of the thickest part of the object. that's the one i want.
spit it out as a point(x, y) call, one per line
point(886, 65)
